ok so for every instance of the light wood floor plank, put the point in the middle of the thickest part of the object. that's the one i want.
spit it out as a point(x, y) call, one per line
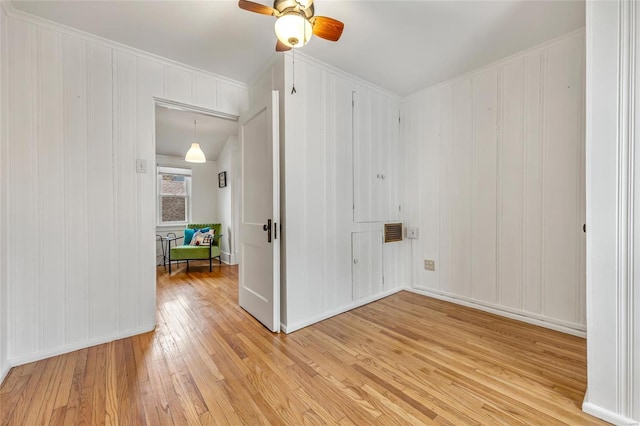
point(406, 359)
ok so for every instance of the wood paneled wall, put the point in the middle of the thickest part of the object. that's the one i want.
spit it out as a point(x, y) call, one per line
point(495, 181)
point(80, 220)
point(317, 188)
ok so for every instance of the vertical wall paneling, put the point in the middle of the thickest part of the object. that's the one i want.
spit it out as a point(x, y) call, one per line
point(204, 91)
point(314, 166)
point(512, 172)
point(429, 164)
point(509, 186)
point(102, 200)
point(462, 187)
point(149, 84)
point(329, 196)
point(295, 197)
point(178, 85)
point(484, 196)
point(77, 306)
point(561, 181)
point(125, 146)
point(532, 229)
point(343, 189)
point(79, 113)
point(51, 177)
point(445, 264)
point(23, 204)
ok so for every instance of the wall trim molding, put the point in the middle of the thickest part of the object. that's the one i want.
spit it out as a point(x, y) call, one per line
point(310, 321)
point(500, 62)
point(568, 328)
point(4, 373)
point(606, 415)
point(12, 12)
point(625, 274)
point(14, 362)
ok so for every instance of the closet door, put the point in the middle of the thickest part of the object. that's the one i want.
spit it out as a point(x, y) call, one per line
point(366, 267)
point(376, 154)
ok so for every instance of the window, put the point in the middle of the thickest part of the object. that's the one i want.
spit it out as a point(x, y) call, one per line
point(174, 196)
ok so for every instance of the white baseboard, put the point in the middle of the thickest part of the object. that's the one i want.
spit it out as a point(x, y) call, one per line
point(4, 371)
point(568, 328)
point(228, 258)
point(14, 362)
point(608, 416)
point(302, 324)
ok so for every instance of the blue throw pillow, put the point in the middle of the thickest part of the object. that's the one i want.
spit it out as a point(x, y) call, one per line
point(188, 235)
point(205, 230)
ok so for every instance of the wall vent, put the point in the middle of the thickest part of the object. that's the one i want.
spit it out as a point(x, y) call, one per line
point(392, 232)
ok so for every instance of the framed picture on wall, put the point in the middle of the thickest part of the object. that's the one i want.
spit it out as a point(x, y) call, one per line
point(222, 179)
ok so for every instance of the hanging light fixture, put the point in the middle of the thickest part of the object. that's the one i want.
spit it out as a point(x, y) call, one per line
point(195, 154)
point(294, 29)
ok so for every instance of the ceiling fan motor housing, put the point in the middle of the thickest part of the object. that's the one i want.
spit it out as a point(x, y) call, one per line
point(303, 6)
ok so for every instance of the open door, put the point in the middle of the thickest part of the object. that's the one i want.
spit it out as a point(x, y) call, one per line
point(260, 213)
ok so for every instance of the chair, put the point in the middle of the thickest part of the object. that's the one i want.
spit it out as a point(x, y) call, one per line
point(188, 252)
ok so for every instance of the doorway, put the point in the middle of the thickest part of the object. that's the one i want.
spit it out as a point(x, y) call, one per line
point(188, 192)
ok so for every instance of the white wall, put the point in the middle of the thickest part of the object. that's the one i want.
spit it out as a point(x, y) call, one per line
point(613, 194)
point(81, 113)
point(496, 186)
point(317, 189)
point(4, 283)
point(227, 208)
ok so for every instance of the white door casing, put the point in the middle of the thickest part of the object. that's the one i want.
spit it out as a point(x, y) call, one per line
point(259, 274)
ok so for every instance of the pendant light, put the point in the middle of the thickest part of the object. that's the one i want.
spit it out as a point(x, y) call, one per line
point(195, 154)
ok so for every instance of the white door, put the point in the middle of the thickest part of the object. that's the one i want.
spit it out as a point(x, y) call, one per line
point(260, 213)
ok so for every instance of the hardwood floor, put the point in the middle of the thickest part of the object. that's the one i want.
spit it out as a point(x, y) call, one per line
point(406, 359)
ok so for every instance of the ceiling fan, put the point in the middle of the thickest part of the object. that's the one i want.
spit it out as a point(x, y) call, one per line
point(296, 22)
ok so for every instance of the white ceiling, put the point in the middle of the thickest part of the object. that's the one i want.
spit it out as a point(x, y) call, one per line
point(402, 46)
point(175, 132)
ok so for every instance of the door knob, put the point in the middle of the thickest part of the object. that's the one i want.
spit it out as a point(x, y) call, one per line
point(267, 227)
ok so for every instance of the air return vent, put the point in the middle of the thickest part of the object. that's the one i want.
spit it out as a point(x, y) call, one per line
point(392, 232)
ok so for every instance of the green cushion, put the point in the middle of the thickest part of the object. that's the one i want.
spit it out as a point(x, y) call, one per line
point(193, 252)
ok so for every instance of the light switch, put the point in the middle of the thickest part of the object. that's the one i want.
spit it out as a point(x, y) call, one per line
point(141, 166)
point(412, 233)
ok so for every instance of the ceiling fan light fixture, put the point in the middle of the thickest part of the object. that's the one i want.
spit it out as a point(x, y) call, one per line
point(294, 30)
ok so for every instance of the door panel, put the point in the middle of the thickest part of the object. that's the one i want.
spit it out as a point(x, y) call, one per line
point(259, 274)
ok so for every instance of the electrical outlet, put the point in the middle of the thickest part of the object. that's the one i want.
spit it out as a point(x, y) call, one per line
point(412, 233)
point(430, 265)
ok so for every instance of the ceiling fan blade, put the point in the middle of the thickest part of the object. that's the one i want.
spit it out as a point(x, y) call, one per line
point(256, 7)
point(281, 47)
point(327, 28)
